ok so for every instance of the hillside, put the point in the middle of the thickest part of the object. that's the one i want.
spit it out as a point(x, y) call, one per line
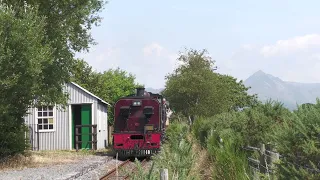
point(290, 93)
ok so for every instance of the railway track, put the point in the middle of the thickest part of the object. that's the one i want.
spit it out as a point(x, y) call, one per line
point(123, 170)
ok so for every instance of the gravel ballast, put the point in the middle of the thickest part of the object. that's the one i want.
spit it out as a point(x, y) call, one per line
point(91, 167)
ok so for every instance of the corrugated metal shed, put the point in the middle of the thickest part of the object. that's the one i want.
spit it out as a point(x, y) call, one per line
point(57, 122)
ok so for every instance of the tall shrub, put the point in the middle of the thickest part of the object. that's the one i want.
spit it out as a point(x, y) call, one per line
point(22, 58)
point(298, 140)
point(229, 160)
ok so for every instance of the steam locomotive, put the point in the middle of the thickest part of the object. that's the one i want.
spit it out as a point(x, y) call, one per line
point(140, 121)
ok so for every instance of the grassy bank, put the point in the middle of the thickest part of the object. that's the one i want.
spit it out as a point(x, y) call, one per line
point(295, 135)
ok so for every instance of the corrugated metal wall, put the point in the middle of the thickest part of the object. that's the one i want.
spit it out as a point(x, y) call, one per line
point(57, 139)
point(60, 138)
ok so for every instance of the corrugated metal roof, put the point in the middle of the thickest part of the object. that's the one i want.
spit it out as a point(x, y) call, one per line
point(90, 93)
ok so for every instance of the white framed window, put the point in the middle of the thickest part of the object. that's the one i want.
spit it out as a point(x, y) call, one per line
point(45, 118)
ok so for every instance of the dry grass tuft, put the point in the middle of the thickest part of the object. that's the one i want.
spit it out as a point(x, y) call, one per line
point(16, 162)
point(203, 167)
point(42, 158)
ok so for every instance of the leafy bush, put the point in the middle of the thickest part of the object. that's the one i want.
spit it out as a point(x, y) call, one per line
point(236, 129)
point(223, 145)
point(298, 140)
point(12, 136)
point(229, 161)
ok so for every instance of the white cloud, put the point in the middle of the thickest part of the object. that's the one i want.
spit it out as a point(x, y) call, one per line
point(296, 44)
point(101, 58)
point(157, 62)
point(150, 64)
point(107, 54)
point(153, 48)
point(112, 52)
point(247, 47)
point(295, 59)
point(316, 56)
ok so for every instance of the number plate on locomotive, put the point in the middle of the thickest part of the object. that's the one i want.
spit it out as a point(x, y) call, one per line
point(148, 127)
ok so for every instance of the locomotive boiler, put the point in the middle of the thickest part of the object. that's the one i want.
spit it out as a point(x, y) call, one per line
point(139, 124)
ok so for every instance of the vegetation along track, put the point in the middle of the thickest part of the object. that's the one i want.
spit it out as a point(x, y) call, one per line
point(123, 170)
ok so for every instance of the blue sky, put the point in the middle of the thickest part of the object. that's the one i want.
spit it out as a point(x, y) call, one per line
point(144, 37)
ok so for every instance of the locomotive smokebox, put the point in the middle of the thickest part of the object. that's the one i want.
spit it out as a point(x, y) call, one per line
point(140, 91)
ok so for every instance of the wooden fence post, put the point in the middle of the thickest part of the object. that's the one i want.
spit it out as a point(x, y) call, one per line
point(273, 155)
point(272, 158)
point(164, 174)
point(94, 135)
point(110, 135)
point(38, 138)
point(77, 139)
point(262, 159)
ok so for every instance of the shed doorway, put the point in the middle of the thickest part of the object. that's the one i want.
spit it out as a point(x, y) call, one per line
point(81, 115)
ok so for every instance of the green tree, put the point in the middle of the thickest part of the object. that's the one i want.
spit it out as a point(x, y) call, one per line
point(114, 84)
point(232, 95)
point(38, 40)
point(194, 89)
point(298, 141)
point(23, 60)
point(109, 85)
point(83, 74)
point(189, 87)
point(66, 31)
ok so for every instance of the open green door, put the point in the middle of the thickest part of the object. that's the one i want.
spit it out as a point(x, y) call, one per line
point(86, 120)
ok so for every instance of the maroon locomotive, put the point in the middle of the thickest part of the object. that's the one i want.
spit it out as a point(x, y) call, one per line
point(139, 124)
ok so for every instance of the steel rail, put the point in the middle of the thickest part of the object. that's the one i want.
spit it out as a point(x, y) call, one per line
point(142, 164)
point(105, 177)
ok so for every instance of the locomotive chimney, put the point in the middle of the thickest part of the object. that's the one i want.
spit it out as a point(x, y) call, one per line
point(140, 91)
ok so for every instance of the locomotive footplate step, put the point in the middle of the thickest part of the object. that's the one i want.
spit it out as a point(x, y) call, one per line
point(143, 152)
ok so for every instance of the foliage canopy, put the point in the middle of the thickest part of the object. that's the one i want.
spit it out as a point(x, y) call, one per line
point(110, 85)
point(23, 59)
point(65, 30)
point(194, 89)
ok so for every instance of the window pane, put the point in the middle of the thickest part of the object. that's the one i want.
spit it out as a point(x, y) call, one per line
point(44, 108)
point(45, 114)
point(39, 114)
point(39, 121)
point(51, 120)
point(45, 121)
point(50, 113)
point(50, 126)
point(39, 108)
point(45, 126)
point(50, 108)
point(40, 126)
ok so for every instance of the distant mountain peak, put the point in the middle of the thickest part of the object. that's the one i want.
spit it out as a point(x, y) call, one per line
point(290, 93)
point(260, 72)
point(263, 76)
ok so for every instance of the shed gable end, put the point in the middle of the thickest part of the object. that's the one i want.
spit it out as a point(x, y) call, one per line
point(77, 95)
